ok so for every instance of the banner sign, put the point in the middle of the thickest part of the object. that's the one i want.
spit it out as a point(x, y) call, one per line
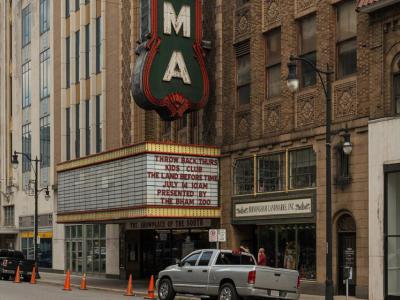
point(273, 208)
point(170, 73)
point(169, 224)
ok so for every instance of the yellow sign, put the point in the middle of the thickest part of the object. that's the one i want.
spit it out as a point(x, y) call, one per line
point(42, 235)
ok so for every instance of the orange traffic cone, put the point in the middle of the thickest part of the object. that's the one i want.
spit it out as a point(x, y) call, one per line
point(129, 290)
point(33, 276)
point(17, 276)
point(67, 283)
point(83, 282)
point(150, 292)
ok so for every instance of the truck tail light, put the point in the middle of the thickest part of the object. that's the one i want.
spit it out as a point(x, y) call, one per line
point(251, 278)
point(5, 263)
point(298, 282)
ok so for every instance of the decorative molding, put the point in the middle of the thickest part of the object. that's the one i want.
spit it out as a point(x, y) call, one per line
point(272, 117)
point(126, 47)
point(303, 7)
point(242, 124)
point(271, 14)
point(345, 99)
point(305, 109)
point(136, 149)
point(139, 212)
point(242, 23)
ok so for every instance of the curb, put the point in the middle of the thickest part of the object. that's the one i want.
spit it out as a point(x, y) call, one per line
point(120, 291)
point(90, 287)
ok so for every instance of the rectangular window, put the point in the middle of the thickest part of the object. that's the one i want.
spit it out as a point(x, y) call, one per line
point(45, 141)
point(87, 50)
point(67, 8)
point(392, 234)
point(26, 84)
point(290, 247)
point(87, 2)
point(9, 215)
point(346, 39)
point(273, 65)
point(44, 74)
point(98, 125)
point(243, 79)
point(44, 16)
point(87, 125)
point(308, 50)
point(77, 56)
point(396, 92)
point(271, 172)
point(77, 132)
point(67, 62)
point(98, 44)
point(26, 147)
point(68, 133)
point(302, 166)
point(244, 176)
point(26, 25)
point(242, 2)
point(77, 5)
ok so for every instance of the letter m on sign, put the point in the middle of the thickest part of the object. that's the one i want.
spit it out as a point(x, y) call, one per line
point(182, 20)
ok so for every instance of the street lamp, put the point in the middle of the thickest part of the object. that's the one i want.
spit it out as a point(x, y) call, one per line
point(14, 162)
point(293, 85)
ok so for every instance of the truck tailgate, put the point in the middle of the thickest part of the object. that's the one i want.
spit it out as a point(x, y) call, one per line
point(276, 279)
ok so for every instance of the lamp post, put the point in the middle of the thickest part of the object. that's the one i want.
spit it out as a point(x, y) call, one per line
point(293, 85)
point(37, 192)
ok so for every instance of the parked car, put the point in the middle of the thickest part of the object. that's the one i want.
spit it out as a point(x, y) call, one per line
point(10, 260)
point(226, 275)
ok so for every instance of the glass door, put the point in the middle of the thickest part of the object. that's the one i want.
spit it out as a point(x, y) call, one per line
point(392, 233)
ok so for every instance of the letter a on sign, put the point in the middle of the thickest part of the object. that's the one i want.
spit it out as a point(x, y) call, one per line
point(177, 68)
point(170, 74)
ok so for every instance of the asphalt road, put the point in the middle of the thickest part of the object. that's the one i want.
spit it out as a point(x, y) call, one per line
point(41, 291)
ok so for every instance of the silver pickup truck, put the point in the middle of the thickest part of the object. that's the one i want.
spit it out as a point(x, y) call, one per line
point(226, 275)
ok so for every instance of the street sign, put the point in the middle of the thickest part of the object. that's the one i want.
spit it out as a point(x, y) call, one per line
point(221, 235)
point(217, 235)
point(213, 235)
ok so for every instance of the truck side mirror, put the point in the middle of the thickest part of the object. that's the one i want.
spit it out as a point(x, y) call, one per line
point(179, 263)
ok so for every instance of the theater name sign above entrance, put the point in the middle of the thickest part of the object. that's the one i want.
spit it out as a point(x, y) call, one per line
point(147, 180)
point(170, 73)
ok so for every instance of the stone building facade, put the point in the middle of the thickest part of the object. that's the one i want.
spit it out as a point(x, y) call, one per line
point(28, 66)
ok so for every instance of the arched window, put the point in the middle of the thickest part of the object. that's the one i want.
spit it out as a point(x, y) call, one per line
point(396, 84)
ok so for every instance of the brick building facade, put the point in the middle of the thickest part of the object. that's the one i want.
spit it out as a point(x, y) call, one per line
point(274, 141)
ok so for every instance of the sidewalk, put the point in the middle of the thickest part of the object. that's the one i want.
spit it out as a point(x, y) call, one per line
point(119, 286)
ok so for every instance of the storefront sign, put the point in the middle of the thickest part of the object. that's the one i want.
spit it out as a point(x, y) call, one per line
point(169, 224)
point(170, 74)
point(43, 235)
point(274, 208)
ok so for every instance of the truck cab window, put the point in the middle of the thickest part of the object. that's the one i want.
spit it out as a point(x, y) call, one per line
point(191, 260)
point(205, 258)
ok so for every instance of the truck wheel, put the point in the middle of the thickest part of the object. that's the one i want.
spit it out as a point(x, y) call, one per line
point(165, 290)
point(27, 278)
point(6, 277)
point(228, 292)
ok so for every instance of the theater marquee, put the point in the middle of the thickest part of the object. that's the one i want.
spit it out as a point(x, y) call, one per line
point(142, 181)
point(170, 74)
